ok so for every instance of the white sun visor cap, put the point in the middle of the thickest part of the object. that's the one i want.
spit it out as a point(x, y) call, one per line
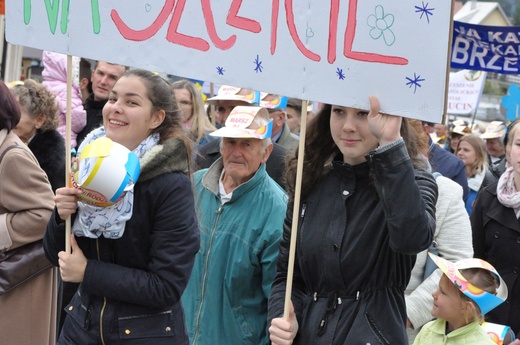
point(240, 124)
point(232, 93)
point(495, 129)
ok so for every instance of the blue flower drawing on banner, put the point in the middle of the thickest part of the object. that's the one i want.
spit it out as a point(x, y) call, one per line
point(220, 70)
point(381, 24)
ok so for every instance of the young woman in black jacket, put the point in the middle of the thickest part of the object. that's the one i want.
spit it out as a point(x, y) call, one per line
point(133, 269)
point(367, 209)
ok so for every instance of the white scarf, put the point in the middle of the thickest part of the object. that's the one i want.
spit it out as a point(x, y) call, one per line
point(94, 221)
point(475, 181)
point(507, 194)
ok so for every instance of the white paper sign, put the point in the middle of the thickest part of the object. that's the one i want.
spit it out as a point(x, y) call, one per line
point(336, 51)
point(464, 91)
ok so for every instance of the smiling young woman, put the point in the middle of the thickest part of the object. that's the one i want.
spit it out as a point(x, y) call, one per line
point(132, 259)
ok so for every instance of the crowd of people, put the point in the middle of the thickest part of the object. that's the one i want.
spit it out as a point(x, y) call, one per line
point(407, 231)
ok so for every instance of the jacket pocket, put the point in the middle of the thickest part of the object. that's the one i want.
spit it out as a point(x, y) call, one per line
point(146, 326)
point(375, 330)
point(244, 325)
point(78, 312)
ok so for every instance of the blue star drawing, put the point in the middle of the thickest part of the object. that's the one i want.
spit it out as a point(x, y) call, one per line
point(220, 70)
point(424, 11)
point(414, 82)
point(258, 64)
point(340, 73)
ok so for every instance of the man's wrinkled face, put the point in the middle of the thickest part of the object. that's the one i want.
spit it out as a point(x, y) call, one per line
point(495, 147)
point(243, 156)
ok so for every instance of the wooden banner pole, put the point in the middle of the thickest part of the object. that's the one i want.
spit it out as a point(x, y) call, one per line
point(296, 209)
point(68, 149)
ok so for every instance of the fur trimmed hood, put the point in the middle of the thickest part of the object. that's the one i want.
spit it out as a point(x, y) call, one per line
point(169, 156)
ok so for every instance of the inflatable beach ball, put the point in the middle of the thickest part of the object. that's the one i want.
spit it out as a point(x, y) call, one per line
point(105, 171)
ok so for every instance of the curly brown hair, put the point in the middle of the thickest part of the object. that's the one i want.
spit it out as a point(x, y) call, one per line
point(36, 100)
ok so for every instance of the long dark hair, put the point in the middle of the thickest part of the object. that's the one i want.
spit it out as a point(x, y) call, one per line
point(320, 150)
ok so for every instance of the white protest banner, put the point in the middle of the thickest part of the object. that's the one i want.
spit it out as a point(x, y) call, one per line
point(337, 51)
point(464, 91)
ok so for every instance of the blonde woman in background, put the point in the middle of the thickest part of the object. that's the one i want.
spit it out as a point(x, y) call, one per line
point(472, 151)
point(194, 120)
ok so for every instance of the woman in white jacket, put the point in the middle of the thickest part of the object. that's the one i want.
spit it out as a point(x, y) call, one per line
point(452, 238)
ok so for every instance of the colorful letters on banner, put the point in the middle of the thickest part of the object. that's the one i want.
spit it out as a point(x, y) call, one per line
point(335, 51)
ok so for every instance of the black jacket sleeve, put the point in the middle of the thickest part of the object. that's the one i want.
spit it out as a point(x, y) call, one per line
point(409, 196)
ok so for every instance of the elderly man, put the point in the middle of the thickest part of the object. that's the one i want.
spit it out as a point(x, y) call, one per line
point(494, 137)
point(227, 98)
point(241, 212)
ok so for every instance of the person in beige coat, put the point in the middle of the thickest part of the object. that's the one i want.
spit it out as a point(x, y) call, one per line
point(28, 312)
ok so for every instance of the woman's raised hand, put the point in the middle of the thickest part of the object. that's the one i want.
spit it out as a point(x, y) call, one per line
point(386, 128)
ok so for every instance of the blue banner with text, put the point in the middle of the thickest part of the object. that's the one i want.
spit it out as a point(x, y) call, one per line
point(486, 48)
